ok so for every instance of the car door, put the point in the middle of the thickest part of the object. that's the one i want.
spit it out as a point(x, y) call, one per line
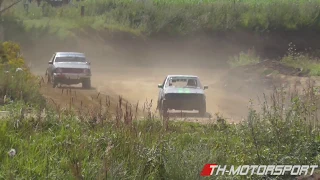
point(161, 91)
point(51, 66)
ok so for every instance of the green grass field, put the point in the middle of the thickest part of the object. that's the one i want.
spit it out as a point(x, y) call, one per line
point(66, 147)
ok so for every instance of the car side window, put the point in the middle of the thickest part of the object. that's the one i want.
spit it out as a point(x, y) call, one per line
point(164, 82)
point(52, 58)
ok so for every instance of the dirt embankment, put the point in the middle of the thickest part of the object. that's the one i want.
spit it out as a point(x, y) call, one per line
point(133, 68)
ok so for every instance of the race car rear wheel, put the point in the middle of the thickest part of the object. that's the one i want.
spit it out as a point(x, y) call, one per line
point(203, 110)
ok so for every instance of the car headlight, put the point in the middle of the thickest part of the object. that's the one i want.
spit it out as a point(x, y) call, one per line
point(59, 70)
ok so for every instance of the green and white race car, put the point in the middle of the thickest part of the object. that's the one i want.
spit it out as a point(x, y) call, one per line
point(181, 92)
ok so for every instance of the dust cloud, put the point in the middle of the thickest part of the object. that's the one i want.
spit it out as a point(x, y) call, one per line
point(133, 69)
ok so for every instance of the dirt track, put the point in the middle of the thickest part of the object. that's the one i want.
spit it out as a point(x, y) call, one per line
point(136, 74)
point(140, 85)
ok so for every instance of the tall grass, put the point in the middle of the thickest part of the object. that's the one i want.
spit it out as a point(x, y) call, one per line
point(74, 147)
point(175, 17)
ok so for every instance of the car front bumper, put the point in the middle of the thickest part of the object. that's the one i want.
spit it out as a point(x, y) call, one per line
point(70, 78)
point(71, 75)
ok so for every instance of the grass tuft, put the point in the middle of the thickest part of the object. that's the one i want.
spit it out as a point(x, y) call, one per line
point(306, 63)
point(243, 59)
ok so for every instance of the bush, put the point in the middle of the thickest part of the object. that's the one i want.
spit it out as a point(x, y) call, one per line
point(15, 84)
point(307, 64)
point(11, 56)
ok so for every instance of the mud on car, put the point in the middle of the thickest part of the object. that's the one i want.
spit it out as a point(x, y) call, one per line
point(69, 68)
point(181, 92)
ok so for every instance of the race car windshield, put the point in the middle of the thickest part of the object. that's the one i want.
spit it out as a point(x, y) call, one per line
point(70, 59)
point(184, 82)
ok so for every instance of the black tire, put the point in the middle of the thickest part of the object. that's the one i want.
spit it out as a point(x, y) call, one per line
point(203, 110)
point(86, 83)
point(54, 82)
point(163, 109)
point(159, 108)
point(48, 79)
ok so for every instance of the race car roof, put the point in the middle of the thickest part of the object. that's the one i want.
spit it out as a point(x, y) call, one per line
point(68, 54)
point(187, 76)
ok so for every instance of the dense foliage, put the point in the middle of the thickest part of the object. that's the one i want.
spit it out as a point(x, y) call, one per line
point(175, 17)
point(16, 81)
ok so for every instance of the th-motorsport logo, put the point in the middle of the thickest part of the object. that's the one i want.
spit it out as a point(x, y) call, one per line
point(260, 170)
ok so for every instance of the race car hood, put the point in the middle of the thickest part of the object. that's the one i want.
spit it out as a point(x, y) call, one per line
point(184, 91)
point(72, 65)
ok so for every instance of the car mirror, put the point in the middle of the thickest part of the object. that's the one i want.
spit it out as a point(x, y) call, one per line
point(89, 63)
point(50, 62)
point(160, 86)
point(205, 87)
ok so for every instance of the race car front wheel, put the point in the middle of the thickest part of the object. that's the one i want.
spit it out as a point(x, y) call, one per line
point(163, 109)
point(86, 83)
point(54, 82)
point(48, 78)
